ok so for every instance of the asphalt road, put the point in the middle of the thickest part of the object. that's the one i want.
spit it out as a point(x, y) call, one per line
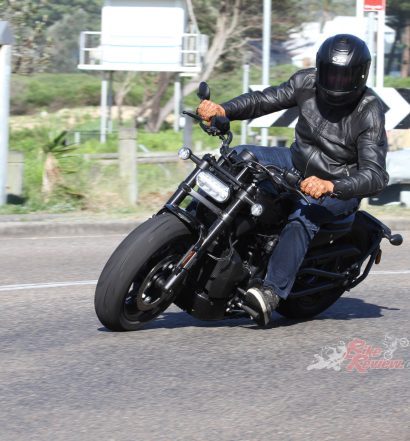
point(64, 377)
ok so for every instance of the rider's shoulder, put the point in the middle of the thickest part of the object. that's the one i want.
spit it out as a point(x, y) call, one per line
point(304, 78)
point(370, 102)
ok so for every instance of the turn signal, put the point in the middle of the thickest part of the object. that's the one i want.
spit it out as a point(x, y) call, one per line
point(378, 257)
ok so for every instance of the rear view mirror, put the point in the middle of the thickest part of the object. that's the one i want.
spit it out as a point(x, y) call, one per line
point(204, 93)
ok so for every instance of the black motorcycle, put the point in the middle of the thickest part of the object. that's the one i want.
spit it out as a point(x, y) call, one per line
point(213, 239)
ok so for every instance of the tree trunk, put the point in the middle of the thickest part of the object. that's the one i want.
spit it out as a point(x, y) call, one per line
point(51, 176)
point(122, 92)
point(405, 62)
point(163, 82)
point(226, 26)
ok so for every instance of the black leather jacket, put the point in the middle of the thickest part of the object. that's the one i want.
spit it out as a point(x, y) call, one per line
point(345, 145)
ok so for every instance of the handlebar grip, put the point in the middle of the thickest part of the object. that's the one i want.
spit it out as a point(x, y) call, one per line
point(292, 177)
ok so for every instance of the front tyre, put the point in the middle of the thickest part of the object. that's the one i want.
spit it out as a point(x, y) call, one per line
point(126, 296)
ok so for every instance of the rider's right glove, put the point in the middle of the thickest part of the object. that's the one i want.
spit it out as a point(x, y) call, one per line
point(208, 109)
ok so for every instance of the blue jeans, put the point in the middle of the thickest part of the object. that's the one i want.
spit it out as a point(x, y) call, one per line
point(303, 224)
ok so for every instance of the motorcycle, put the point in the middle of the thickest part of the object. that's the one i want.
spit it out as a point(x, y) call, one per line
point(213, 239)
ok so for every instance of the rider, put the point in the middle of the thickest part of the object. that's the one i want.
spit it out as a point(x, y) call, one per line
point(340, 147)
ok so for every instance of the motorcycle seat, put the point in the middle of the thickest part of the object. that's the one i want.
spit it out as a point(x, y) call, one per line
point(340, 224)
point(333, 230)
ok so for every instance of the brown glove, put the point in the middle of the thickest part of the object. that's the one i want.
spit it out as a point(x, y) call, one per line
point(208, 109)
point(316, 187)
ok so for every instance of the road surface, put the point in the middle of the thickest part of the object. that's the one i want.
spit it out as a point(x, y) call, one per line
point(64, 377)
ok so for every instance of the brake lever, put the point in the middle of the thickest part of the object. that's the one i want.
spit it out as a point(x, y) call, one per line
point(303, 196)
point(192, 115)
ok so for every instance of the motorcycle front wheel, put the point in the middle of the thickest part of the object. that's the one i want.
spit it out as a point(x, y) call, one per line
point(127, 296)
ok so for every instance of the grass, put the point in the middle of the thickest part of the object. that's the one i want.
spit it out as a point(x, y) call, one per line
point(51, 92)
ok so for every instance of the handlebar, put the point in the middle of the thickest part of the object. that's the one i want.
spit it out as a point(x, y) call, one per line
point(289, 179)
point(219, 126)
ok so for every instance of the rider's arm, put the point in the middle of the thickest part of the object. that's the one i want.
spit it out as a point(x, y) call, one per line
point(371, 176)
point(254, 104)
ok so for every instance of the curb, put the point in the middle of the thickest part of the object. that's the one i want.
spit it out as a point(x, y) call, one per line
point(397, 225)
point(48, 227)
point(44, 228)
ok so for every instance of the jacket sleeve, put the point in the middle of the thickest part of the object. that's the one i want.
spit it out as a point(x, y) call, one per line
point(371, 176)
point(255, 104)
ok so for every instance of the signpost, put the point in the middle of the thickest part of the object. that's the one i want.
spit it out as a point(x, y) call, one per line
point(267, 6)
point(374, 7)
point(6, 40)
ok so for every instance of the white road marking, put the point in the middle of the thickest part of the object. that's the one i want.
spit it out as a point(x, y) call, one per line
point(390, 272)
point(45, 285)
point(63, 237)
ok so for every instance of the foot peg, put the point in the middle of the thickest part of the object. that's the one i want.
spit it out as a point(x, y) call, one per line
point(250, 311)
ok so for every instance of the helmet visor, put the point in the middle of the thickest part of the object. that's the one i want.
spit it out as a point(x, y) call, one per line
point(339, 78)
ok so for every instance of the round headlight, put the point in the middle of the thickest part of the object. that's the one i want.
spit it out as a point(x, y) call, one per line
point(256, 209)
point(184, 153)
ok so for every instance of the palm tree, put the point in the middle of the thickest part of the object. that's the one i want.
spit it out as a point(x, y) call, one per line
point(53, 150)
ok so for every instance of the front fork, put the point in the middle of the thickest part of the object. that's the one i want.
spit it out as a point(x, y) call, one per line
point(224, 219)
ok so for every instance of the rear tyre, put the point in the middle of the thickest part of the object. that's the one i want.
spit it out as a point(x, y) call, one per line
point(308, 306)
point(126, 296)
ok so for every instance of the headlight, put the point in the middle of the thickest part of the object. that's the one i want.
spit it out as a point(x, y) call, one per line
point(212, 186)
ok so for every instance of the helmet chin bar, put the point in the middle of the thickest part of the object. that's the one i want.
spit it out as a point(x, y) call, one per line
point(339, 99)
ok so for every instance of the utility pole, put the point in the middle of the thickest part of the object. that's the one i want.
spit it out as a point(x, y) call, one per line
point(6, 40)
point(380, 48)
point(372, 16)
point(245, 88)
point(360, 18)
point(266, 57)
point(374, 8)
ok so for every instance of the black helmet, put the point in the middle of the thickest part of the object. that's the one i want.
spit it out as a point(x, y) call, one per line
point(342, 64)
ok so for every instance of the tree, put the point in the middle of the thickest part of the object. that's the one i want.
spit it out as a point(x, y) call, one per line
point(53, 150)
point(63, 37)
point(326, 10)
point(231, 24)
point(56, 10)
point(48, 28)
point(30, 49)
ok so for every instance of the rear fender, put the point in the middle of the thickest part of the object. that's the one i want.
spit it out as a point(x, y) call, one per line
point(394, 239)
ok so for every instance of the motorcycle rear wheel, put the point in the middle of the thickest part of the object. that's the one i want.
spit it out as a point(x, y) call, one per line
point(126, 297)
point(308, 306)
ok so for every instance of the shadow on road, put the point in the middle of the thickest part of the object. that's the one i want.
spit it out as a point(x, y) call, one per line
point(344, 309)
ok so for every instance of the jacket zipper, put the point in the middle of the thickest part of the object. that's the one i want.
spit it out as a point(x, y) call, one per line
point(310, 157)
point(347, 170)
